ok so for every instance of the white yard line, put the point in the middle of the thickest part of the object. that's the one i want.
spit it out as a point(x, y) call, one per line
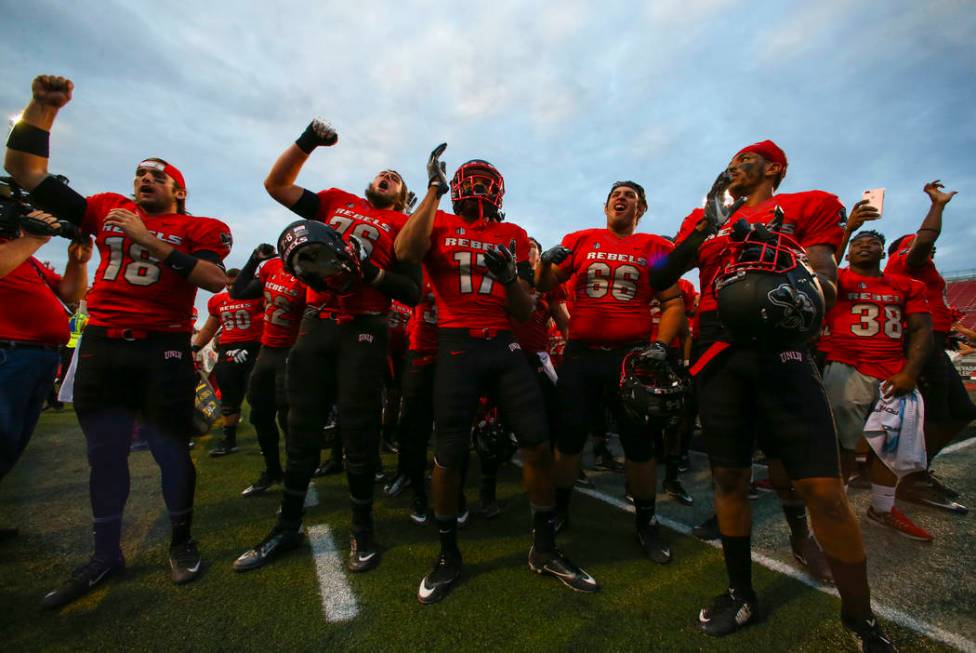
point(312, 496)
point(338, 600)
point(959, 446)
point(896, 616)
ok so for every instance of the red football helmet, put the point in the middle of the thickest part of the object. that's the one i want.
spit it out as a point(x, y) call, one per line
point(478, 180)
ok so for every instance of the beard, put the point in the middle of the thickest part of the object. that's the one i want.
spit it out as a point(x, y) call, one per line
point(379, 200)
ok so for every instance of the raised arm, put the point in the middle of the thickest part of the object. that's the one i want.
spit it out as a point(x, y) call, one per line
point(28, 144)
point(280, 182)
point(931, 227)
point(413, 241)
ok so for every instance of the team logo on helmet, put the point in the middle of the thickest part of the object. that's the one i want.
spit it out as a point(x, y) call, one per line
point(799, 311)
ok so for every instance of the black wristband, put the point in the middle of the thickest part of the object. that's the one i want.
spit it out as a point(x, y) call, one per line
point(30, 139)
point(181, 263)
point(308, 141)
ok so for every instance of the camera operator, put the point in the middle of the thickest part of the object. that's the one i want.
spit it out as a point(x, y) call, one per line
point(31, 334)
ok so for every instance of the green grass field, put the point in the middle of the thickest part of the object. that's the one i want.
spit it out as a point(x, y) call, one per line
point(500, 606)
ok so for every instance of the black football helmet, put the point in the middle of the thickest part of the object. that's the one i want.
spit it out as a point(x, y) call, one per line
point(769, 293)
point(315, 254)
point(493, 441)
point(650, 390)
point(481, 181)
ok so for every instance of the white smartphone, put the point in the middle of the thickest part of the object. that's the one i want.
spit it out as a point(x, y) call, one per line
point(875, 197)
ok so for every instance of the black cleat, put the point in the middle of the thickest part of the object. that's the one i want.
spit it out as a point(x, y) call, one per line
point(490, 509)
point(728, 613)
point(677, 491)
point(436, 585)
point(464, 515)
point(809, 554)
point(554, 563)
point(927, 494)
point(184, 562)
point(654, 544)
point(260, 486)
point(396, 487)
point(82, 580)
point(224, 448)
point(420, 514)
point(870, 637)
point(330, 467)
point(584, 481)
point(278, 541)
point(707, 530)
point(364, 554)
point(685, 464)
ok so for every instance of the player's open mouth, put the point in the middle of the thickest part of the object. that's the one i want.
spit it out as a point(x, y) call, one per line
point(384, 184)
point(620, 206)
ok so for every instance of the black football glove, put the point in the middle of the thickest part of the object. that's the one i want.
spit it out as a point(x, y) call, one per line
point(317, 133)
point(716, 212)
point(411, 203)
point(555, 255)
point(437, 171)
point(501, 264)
point(263, 252)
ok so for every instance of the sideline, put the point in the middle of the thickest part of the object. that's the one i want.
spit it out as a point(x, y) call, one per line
point(338, 600)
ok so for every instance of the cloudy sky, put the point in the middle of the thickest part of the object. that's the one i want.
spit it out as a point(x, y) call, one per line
point(565, 98)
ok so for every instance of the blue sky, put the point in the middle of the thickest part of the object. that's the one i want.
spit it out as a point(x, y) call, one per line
point(564, 98)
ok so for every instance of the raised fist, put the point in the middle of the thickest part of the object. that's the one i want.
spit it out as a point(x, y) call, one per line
point(263, 252)
point(555, 255)
point(318, 133)
point(52, 91)
point(437, 171)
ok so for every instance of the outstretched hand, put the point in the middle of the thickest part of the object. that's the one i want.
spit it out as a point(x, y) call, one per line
point(934, 190)
point(716, 211)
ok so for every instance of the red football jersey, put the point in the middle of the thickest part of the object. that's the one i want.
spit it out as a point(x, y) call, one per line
point(610, 278)
point(352, 215)
point(935, 285)
point(688, 296)
point(31, 309)
point(811, 218)
point(241, 320)
point(867, 324)
point(422, 327)
point(466, 296)
point(131, 288)
point(284, 303)
point(533, 334)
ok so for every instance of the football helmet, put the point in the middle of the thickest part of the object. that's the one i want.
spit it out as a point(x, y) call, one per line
point(481, 181)
point(315, 253)
point(493, 441)
point(769, 293)
point(650, 390)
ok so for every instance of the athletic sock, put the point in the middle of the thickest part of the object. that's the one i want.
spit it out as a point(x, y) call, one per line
point(108, 537)
point(543, 528)
point(796, 518)
point(882, 498)
point(644, 510)
point(181, 528)
point(671, 467)
point(851, 579)
point(447, 528)
point(738, 562)
point(562, 499)
point(230, 434)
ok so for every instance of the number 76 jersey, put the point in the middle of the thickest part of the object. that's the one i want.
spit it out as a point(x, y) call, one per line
point(611, 285)
point(466, 296)
point(133, 290)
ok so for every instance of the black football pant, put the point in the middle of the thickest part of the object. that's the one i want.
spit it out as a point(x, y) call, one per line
point(417, 420)
point(118, 382)
point(268, 399)
point(342, 364)
point(234, 365)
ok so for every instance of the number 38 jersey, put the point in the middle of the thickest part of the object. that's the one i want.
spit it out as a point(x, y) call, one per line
point(612, 290)
point(865, 327)
point(133, 290)
point(284, 303)
point(466, 296)
point(241, 320)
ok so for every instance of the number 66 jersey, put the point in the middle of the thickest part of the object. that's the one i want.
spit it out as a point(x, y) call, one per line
point(133, 290)
point(611, 286)
point(867, 323)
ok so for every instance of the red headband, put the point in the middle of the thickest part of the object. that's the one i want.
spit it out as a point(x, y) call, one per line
point(168, 168)
point(767, 150)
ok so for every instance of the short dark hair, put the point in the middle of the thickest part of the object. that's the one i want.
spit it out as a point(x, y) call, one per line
point(893, 247)
point(233, 272)
point(642, 198)
point(533, 241)
point(869, 233)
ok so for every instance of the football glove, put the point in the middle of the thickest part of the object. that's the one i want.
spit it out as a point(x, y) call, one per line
point(555, 255)
point(263, 252)
point(501, 264)
point(437, 171)
point(716, 211)
point(317, 133)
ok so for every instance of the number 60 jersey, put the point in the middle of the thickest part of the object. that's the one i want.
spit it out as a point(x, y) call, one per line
point(133, 290)
point(611, 287)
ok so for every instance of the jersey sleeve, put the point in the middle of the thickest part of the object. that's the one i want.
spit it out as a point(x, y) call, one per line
point(827, 218)
point(328, 200)
point(96, 208)
point(689, 223)
point(916, 299)
point(213, 305)
point(210, 235)
point(572, 242)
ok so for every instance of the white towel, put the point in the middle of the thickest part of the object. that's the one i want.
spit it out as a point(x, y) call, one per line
point(547, 367)
point(896, 433)
point(67, 392)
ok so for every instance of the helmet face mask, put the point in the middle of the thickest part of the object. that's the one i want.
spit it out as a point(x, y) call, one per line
point(493, 442)
point(650, 393)
point(479, 181)
point(315, 253)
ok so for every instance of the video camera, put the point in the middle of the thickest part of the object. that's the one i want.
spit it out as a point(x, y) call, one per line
point(15, 210)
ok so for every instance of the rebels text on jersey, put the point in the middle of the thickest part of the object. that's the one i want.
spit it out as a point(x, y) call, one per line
point(284, 303)
point(134, 290)
point(466, 296)
point(353, 216)
point(867, 323)
point(241, 320)
point(610, 280)
point(935, 285)
point(811, 218)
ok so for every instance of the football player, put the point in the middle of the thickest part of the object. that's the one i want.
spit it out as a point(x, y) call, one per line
point(867, 358)
point(135, 358)
point(760, 382)
point(948, 408)
point(264, 276)
point(471, 258)
point(340, 354)
point(611, 316)
point(241, 322)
